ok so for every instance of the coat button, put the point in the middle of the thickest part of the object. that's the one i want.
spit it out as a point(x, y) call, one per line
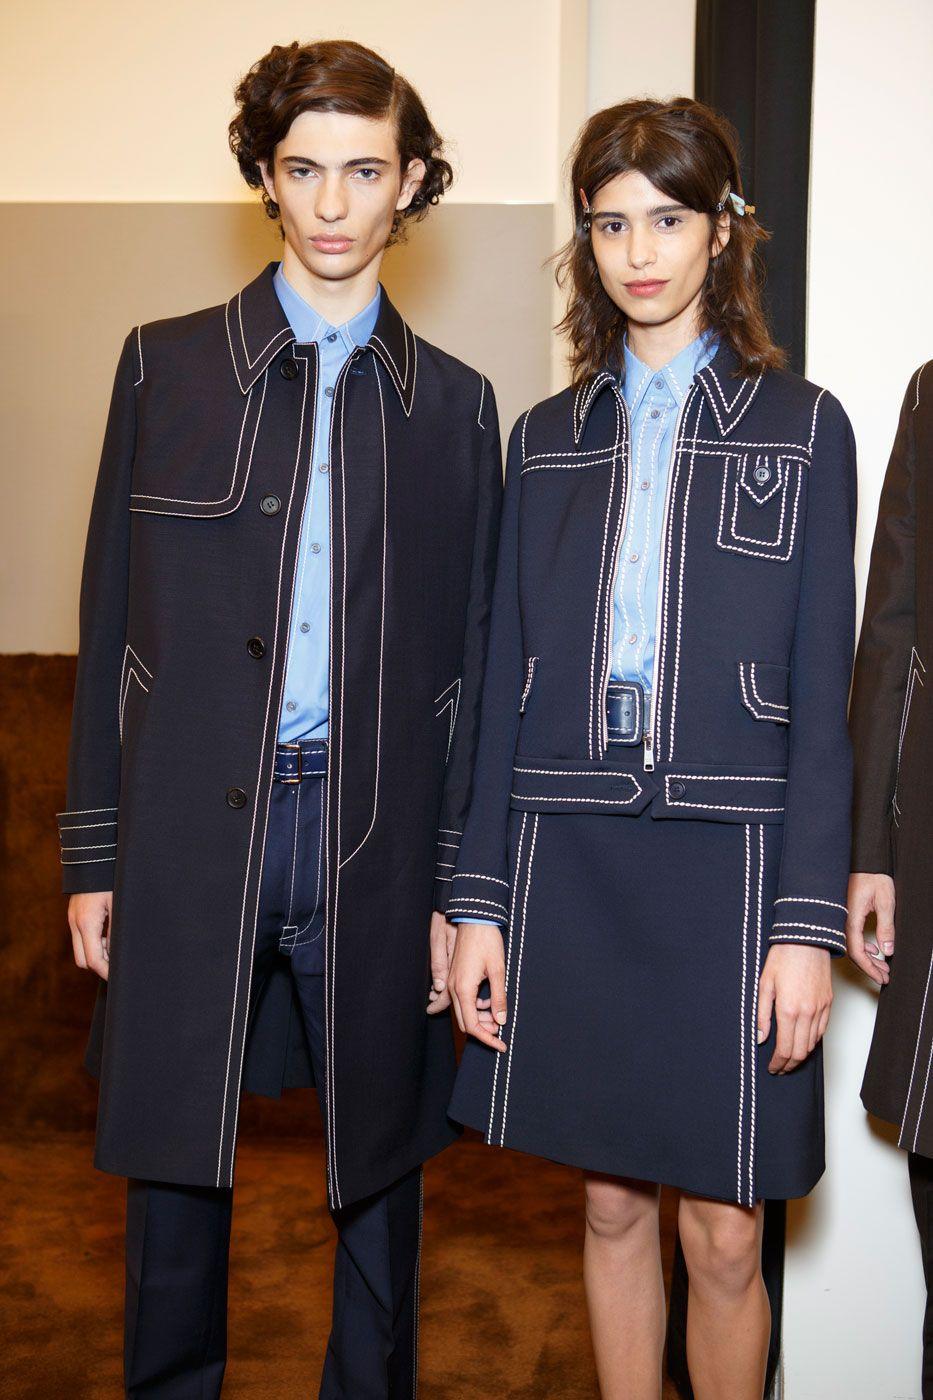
point(288, 369)
point(677, 789)
point(236, 797)
point(762, 474)
point(256, 647)
point(270, 505)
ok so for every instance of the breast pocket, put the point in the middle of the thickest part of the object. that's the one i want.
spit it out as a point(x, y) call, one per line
point(760, 504)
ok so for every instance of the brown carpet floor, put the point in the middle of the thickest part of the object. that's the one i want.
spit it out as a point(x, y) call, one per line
point(502, 1299)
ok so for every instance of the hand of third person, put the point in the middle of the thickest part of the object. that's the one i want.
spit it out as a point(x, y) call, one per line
point(479, 957)
point(796, 988)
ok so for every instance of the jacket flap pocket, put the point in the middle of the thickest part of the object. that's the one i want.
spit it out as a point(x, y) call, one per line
point(761, 476)
point(764, 688)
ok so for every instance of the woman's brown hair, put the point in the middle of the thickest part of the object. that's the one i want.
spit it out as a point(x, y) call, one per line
point(688, 151)
point(334, 75)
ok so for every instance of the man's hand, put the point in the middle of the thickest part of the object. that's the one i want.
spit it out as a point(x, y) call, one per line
point(871, 894)
point(443, 942)
point(89, 918)
point(796, 985)
point(479, 956)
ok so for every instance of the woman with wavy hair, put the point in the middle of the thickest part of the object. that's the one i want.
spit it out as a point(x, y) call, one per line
point(652, 876)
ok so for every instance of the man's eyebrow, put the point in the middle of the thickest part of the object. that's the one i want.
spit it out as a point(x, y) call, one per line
point(347, 164)
point(652, 213)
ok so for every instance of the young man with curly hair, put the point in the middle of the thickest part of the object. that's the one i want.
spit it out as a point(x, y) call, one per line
point(283, 629)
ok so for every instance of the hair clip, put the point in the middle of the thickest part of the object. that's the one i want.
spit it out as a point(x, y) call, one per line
point(586, 209)
point(738, 203)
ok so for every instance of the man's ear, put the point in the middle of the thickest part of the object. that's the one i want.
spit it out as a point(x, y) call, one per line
point(411, 183)
point(267, 180)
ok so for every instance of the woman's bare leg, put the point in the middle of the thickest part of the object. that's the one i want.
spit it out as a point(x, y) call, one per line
point(624, 1285)
point(728, 1313)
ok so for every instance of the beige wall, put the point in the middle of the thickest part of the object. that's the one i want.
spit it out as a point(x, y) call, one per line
point(131, 102)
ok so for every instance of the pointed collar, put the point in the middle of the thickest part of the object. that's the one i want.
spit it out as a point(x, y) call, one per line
point(258, 328)
point(727, 397)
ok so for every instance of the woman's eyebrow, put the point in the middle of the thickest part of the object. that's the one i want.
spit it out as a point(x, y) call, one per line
point(651, 213)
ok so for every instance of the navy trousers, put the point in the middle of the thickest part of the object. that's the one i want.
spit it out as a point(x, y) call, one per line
point(178, 1237)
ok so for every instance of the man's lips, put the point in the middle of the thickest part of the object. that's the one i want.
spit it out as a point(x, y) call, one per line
point(325, 244)
point(645, 289)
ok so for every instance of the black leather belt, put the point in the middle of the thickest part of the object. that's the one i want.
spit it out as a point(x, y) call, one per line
point(625, 712)
point(305, 759)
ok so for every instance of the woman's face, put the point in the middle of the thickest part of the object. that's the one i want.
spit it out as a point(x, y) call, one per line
point(652, 253)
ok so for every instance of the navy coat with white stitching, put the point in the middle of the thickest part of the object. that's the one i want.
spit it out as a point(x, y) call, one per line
point(755, 636)
point(191, 553)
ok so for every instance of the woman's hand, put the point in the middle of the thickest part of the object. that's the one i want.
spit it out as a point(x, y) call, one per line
point(478, 957)
point(796, 985)
point(871, 894)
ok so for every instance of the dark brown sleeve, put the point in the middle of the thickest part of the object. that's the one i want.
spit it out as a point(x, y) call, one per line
point(884, 654)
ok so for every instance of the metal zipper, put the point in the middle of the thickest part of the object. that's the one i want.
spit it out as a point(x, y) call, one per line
point(651, 730)
point(627, 480)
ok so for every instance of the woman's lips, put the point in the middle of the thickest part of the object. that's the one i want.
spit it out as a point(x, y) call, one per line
point(332, 245)
point(645, 289)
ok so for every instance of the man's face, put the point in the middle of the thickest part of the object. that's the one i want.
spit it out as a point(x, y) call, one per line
point(338, 182)
point(652, 253)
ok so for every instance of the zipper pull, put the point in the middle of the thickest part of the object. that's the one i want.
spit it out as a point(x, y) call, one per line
point(649, 756)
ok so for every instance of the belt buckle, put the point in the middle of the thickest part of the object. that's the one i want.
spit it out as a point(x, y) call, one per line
point(297, 777)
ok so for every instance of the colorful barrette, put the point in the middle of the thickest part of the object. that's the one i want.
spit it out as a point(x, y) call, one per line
point(586, 209)
point(738, 203)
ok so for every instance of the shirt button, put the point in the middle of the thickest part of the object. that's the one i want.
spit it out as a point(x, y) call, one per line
point(306, 627)
point(633, 558)
point(324, 467)
point(633, 639)
point(270, 505)
point(655, 413)
point(256, 647)
point(645, 485)
point(329, 391)
point(236, 797)
point(290, 706)
point(288, 369)
point(315, 548)
point(659, 383)
point(332, 337)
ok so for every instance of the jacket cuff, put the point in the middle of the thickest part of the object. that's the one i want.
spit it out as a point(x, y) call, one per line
point(479, 897)
point(88, 849)
point(448, 848)
point(819, 922)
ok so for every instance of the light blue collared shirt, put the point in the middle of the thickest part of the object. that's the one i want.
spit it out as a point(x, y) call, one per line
point(654, 399)
point(304, 706)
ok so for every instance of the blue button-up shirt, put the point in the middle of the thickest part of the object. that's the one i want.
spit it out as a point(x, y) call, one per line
point(304, 706)
point(654, 399)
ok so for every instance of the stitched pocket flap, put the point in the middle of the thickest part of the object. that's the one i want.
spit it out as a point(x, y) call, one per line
point(764, 689)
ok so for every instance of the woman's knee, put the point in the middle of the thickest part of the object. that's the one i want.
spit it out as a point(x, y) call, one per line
point(721, 1243)
point(614, 1207)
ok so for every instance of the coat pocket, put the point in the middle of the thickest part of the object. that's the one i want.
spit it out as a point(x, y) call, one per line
point(135, 680)
point(759, 504)
point(764, 689)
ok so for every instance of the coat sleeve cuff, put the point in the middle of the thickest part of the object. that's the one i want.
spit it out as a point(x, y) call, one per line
point(88, 849)
point(448, 848)
point(802, 919)
point(484, 897)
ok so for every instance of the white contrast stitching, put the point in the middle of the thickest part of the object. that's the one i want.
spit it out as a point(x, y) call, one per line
point(139, 347)
point(508, 973)
point(83, 826)
point(85, 811)
point(804, 899)
point(453, 704)
point(518, 978)
point(742, 1028)
point(813, 420)
point(818, 928)
point(680, 577)
point(467, 875)
point(775, 719)
point(774, 704)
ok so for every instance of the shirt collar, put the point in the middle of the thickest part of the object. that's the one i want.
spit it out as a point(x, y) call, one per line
point(677, 374)
point(308, 324)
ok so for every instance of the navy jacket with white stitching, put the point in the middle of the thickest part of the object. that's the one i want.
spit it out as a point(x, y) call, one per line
point(755, 633)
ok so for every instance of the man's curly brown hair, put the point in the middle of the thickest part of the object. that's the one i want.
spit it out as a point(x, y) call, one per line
point(333, 75)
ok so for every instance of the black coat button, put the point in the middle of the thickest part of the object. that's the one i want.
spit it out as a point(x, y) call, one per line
point(256, 647)
point(236, 797)
point(288, 369)
point(677, 789)
point(270, 505)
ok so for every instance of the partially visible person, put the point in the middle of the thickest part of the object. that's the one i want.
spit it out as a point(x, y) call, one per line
point(891, 722)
